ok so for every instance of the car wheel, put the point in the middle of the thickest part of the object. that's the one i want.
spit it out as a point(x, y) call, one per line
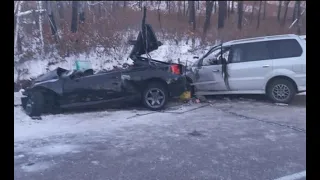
point(155, 96)
point(34, 104)
point(281, 91)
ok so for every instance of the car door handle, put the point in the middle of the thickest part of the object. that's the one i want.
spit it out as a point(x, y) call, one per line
point(265, 66)
point(216, 70)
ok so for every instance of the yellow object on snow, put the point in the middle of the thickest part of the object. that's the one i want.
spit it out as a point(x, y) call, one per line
point(185, 96)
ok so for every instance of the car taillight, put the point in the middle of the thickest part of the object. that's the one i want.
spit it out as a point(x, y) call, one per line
point(175, 69)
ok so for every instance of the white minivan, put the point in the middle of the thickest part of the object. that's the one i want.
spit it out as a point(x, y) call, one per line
point(271, 65)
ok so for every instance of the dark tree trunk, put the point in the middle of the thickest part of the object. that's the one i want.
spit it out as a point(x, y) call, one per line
point(279, 10)
point(198, 5)
point(259, 13)
point(140, 4)
point(19, 43)
point(209, 7)
point(264, 10)
point(252, 11)
point(179, 8)
point(34, 16)
point(298, 17)
point(124, 5)
point(222, 13)
point(232, 7)
point(228, 8)
point(192, 15)
point(74, 20)
point(52, 21)
point(294, 14)
point(81, 13)
point(240, 14)
point(285, 12)
point(61, 9)
point(184, 8)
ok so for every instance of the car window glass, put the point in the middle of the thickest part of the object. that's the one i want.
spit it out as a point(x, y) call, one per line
point(209, 60)
point(237, 54)
point(285, 48)
point(247, 52)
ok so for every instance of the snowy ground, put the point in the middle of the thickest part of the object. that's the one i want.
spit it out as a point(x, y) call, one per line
point(234, 139)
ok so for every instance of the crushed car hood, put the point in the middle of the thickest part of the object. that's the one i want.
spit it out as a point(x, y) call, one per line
point(55, 74)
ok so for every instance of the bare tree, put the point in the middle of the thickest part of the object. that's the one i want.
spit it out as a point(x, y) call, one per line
point(81, 12)
point(209, 7)
point(192, 19)
point(285, 12)
point(168, 6)
point(179, 8)
point(259, 13)
point(192, 15)
point(124, 4)
point(39, 6)
point(74, 20)
point(52, 21)
point(184, 7)
point(279, 10)
point(298, 17)
point(294, 14)
point(61, 9)
point(232, 7)
point(222, 13)
point(16, 34)
point(264, 10)
point(252, 10)
point(228, 8)
point(240, 14)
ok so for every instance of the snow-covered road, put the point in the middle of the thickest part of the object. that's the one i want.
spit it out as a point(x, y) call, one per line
point(224, 139)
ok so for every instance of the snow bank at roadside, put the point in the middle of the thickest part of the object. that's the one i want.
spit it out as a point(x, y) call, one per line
point(169, 51)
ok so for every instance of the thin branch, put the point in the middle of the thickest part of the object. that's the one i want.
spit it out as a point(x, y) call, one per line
point(30, 11)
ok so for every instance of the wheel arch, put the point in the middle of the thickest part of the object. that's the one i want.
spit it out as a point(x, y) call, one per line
point(154, 80)
point(280, 77)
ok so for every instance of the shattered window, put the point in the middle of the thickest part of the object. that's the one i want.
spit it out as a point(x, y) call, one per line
point(209, 60)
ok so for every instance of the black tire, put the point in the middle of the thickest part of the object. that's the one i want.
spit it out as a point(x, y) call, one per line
point(281, 91)
point(35, 104)
point(154, 88)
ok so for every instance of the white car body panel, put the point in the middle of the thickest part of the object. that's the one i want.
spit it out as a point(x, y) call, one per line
point(253, 77)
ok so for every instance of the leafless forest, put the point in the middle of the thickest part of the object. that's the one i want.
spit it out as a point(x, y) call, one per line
point(69, 28)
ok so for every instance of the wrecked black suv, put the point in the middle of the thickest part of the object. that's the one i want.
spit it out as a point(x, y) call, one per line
point(150, 81)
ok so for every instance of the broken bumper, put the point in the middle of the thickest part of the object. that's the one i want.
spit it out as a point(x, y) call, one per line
point(177, 86)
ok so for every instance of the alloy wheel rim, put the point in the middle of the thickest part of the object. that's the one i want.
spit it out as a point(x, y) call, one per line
point(281, 92)
point(155, 98)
